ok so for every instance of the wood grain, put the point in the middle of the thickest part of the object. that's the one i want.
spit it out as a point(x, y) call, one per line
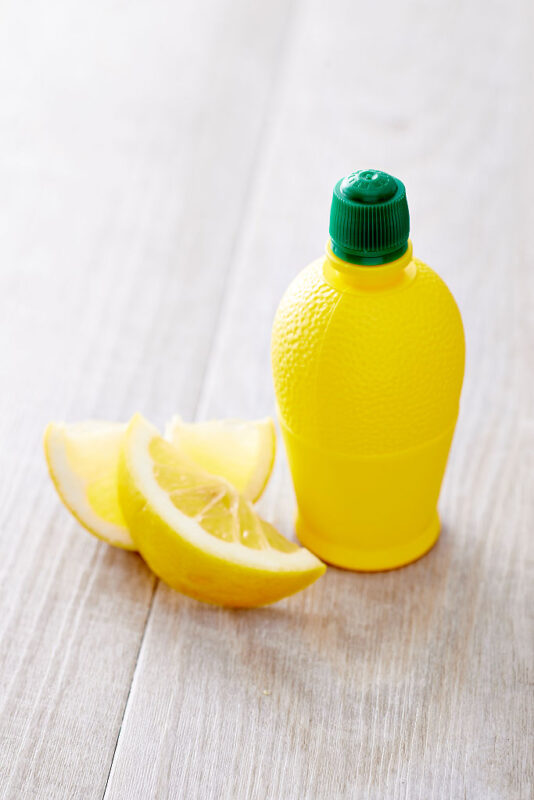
point(411, 684)
point(119, 212)
point(125, 285)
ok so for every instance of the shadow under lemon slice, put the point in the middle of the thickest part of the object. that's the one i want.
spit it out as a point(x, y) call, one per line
point(197, 533)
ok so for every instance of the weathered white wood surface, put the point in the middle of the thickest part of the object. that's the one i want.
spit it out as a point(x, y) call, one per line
point(128, 136)
point(165, 169)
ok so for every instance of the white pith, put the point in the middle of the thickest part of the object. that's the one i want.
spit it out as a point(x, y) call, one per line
point(73, 488)
point(141, 467)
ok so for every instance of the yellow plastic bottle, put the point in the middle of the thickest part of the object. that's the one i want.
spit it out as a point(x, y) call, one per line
point(368, 361)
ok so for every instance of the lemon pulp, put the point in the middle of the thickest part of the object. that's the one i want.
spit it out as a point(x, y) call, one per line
point(198, 534)
point(241, 451)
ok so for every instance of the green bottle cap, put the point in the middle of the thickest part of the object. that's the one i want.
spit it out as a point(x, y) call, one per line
point(369, 218)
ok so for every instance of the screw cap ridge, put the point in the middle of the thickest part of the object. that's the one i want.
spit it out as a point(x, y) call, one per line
point(369, 218)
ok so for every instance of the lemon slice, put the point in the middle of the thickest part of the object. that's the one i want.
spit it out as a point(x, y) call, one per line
point(242, 452)
point(82, 460)
point(198, 534)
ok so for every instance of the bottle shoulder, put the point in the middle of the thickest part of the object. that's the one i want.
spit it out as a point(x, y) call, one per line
point(308, 296)
point(311, 281)
point(368, 369)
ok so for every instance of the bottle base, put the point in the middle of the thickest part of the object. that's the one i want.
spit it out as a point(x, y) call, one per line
point(369, 560)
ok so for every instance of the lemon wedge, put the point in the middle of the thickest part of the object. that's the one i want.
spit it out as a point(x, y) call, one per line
point(82, 460)
point(240, 451)
point(197, 533)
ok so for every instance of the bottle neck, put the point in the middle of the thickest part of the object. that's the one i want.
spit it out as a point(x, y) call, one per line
point(345, 276)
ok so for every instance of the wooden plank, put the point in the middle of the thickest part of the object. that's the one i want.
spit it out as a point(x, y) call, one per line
point(410, 684)
point(128, 136)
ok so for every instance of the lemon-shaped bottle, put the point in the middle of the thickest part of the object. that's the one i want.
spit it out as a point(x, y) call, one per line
point(368, 361)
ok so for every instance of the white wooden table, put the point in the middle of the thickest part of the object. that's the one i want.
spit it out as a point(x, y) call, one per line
point(152, 156)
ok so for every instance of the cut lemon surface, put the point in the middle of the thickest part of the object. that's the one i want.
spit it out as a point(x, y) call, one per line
point(82, 460)
point(242, 452)
point(198, 534)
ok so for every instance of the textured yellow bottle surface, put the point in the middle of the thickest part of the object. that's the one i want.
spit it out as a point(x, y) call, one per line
point(368, 365)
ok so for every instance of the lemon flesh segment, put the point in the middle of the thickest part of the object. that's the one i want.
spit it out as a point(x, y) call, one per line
point(198, 534)
point(240, 451)
point(82, 460)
